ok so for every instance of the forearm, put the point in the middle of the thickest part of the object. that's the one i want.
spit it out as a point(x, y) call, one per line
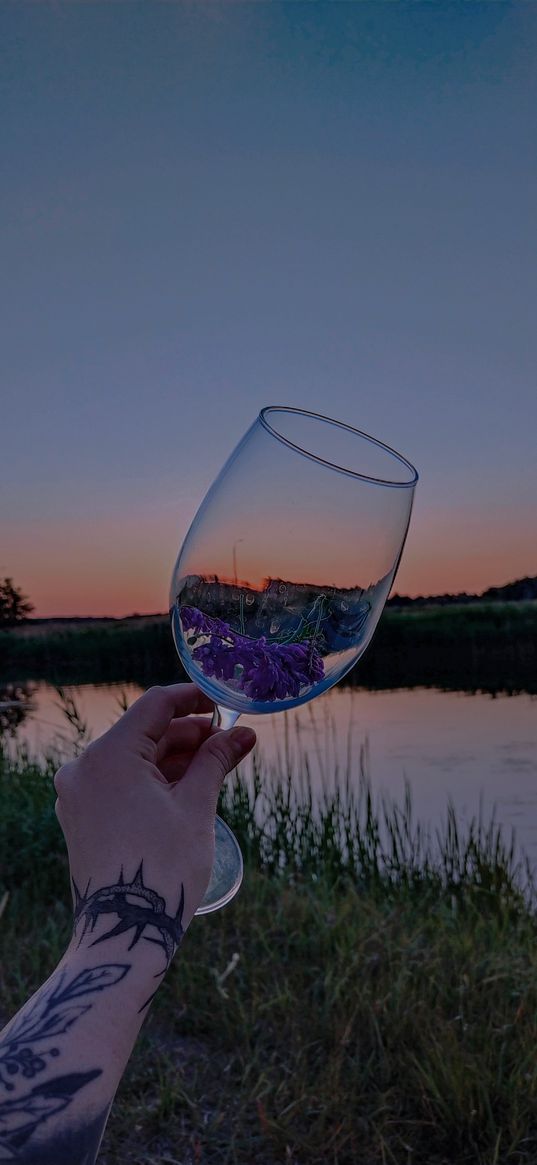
point(63, 1055)
point(147, 789)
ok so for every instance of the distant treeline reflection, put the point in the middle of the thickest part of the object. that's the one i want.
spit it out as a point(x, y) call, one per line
point(483, 647)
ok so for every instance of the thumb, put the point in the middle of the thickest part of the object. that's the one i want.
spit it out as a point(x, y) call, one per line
point(215, 758)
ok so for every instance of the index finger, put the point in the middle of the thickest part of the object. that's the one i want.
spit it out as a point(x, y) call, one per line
point(152, 714)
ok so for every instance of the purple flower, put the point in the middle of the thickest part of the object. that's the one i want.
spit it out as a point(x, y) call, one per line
point(263, 671)
point(194, 620)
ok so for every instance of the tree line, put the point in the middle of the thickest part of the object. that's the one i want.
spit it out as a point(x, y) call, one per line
point(522, 590)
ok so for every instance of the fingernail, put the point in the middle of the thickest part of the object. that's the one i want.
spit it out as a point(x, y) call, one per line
point(243, 738)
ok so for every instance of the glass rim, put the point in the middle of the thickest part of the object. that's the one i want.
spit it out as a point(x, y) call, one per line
point(332, 464)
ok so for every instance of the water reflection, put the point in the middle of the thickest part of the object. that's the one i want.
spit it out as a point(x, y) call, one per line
point(447, 745)
point(16, 702)
point(61, 719)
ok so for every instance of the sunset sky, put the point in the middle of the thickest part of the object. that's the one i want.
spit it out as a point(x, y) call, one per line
point(210, 207)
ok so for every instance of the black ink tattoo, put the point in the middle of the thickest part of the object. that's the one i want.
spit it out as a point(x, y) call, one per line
point(77, 1142)
point(25, 1052)
point(30, 1046)
point(136, 907)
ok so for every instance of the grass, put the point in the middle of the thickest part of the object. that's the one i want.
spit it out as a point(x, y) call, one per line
point(369, 998)
point(481, 646)
point(121, 651)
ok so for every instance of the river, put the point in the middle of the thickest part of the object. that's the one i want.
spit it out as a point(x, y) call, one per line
point(471, 749)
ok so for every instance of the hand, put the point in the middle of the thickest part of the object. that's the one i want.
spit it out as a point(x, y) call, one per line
point(147, 792)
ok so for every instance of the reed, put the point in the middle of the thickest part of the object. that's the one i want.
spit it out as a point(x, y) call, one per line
point(480, 646)
point(291, 829)
point(369, 998)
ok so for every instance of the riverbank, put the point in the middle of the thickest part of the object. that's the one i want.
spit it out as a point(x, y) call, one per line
point(361, 1001)
point(488, 647)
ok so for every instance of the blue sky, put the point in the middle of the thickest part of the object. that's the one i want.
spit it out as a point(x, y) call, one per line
point(211, 207)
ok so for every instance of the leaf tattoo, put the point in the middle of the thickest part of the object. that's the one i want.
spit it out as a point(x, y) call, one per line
point(20, 1117)
point(29, 1044)
point(49, 1016)
point(25, 1053)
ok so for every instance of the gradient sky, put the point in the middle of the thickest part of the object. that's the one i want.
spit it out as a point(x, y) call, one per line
point(206, 208)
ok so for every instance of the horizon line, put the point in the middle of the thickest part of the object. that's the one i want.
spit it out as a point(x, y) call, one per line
point(396, 595)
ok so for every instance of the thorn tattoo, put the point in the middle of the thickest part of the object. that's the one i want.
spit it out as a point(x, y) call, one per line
point(136, 907)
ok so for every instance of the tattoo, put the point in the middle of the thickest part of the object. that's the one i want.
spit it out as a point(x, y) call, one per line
point(136, 907)
point(76, 1144)
point(30, 1044)
point(26, 1051)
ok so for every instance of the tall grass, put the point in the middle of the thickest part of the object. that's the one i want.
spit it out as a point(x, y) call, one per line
point(117, 652)
point(369, 998)
point(482, 646)
point(343, 836)
point(291, 829)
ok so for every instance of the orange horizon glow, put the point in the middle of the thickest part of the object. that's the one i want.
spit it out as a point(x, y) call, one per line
point(110, 567)
point(62, 599)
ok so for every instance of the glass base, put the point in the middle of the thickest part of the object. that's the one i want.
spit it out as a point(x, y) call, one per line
point(227, 872)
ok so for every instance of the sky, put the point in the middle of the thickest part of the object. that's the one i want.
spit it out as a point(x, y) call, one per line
point(210, 207)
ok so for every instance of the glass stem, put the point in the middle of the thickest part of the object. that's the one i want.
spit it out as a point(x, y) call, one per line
point(224, 717)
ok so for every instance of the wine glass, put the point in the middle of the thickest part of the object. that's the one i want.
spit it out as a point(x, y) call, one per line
point(284, 572)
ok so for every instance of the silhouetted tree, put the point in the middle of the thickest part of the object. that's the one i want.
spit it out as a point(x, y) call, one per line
point(14, 606)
